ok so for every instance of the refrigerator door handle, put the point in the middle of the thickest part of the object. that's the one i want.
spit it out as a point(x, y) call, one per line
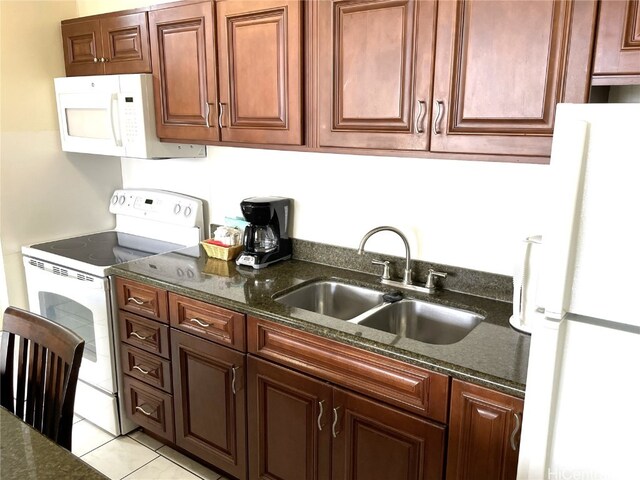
point(560, 233)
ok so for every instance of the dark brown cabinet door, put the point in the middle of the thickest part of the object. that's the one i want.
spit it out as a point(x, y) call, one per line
point(260, 67)
point(617, 53)
point(110, 44)
point(372, 441)
point(184, 72)
point(289, 423)
point(125, 43)
point(82, 47)
point(484, 432)
point(209, 402)
point(374, 73)
point(500, 69)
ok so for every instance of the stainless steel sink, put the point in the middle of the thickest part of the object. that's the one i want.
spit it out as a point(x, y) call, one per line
point(423, 321)
point(332, 298)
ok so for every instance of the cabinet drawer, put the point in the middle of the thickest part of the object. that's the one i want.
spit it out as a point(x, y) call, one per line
point(150, 369)
point(146, 334)
point(217, 324)
point(149, 407)
point(395, 382)
point(142, 299)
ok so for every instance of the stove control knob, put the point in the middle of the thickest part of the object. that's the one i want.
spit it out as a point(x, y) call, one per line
point(121, 199)
point(177, 208)
point(187, 211)
point(114, 199)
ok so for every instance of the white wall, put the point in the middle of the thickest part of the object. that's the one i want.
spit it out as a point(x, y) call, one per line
point(468, 214)
point(44, 193)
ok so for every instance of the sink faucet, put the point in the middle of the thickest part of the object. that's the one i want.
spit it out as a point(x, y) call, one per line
point(406, 280)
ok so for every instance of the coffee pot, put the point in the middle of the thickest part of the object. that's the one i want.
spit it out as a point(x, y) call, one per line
point(266, 238)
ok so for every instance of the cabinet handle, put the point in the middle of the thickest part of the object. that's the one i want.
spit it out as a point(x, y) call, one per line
point(207, 115)
point(141, 337)
point(220, 112)
point(321, 406)
point(334, 433)
point(199, 322)
point(233, 379)
point(136, 301)
point(140, 369)
point(516, 429)
point(436, 121)
point(95, 60)
point(140, 409)
point(422, 110)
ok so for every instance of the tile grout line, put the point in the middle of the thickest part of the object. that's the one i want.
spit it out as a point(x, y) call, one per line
point(141, 466)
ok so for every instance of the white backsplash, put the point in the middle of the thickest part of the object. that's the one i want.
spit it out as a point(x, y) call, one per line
point(462, 213)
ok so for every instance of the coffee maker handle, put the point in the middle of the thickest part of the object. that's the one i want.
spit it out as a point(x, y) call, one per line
point(247, 238)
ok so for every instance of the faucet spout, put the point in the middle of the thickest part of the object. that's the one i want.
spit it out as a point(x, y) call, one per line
point(407, 266)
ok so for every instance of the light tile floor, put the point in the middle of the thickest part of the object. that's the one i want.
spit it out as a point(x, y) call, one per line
point(134, 456)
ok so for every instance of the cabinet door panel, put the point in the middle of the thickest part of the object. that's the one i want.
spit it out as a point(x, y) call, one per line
point(288, 422)
point(483, 431)
point(209, 401)
point(375, 61)
point(501, 67)
point(82, 48)
point(259, 53)
point(375, 442)
point(617, 53)
point(125, 39)
point(183, 58)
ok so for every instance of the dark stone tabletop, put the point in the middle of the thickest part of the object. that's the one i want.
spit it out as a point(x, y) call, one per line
point(26, 453)
point(492, 354)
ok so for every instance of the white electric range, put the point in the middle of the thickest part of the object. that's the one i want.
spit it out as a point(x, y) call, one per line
point(68, 282)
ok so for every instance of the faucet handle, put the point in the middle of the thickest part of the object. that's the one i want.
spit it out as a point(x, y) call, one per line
point(431, 284)
point(385, 271)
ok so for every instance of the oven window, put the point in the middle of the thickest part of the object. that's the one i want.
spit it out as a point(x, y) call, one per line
point(72, 315)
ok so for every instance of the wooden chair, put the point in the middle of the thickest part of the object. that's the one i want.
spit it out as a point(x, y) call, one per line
point(48, 362)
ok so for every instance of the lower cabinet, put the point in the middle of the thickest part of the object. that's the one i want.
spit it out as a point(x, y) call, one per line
point(304, 428)
point(484, 433)
point(209, 402)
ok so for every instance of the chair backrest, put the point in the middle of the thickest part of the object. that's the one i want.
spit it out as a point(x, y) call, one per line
point(46, 372)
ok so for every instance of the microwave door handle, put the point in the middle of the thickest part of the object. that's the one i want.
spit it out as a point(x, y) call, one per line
point(112, 113)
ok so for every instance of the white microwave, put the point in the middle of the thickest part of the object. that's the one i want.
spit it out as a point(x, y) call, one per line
point(113, 115)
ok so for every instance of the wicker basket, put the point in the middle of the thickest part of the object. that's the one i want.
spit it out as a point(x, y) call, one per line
point(223, 253)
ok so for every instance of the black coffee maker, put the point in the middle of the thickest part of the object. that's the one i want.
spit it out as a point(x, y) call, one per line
point(266, 238)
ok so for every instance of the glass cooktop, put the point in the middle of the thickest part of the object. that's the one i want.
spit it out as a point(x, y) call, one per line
point(105, 249)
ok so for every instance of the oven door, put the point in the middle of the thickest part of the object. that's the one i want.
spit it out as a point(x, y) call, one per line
point(80, 302)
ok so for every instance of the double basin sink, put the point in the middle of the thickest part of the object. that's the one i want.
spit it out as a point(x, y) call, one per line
point(405, 317)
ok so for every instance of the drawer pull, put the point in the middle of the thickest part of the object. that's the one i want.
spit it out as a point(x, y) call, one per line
point(335, 433)
point(140, 409)
point(516, 429)
point(233, 379)
point(141, 337)
point(199, 322)
point(321, 406)
point(137, 301)
point(141, 370)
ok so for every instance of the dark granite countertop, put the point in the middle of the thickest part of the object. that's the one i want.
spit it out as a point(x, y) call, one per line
point(492, 354)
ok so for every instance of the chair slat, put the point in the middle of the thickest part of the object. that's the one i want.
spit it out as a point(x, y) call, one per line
point(49, 413)
point(6, 371)
point(23, 351)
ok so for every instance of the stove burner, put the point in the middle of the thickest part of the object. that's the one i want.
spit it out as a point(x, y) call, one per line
point(69, 244)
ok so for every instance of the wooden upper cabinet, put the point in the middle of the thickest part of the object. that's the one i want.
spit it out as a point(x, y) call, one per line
point(484, 433)
point(374, 73)
point(617, 53)
point(260, 71)
point(500, 69)
point(110, 44)
point(184, 72)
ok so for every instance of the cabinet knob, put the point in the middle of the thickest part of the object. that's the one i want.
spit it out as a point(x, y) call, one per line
point(95, 60)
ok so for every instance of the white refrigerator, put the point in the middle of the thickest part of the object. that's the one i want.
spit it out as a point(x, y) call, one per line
point(581, 417)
